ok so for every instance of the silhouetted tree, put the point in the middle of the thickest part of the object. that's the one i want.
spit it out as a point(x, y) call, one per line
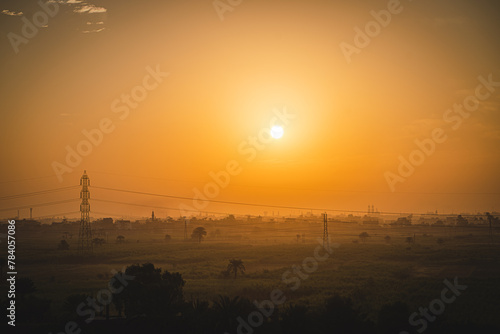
point(296, 320)
point(71, 303)
point(120, 239)
point(151, 293)
point(340, 316)
point(199, 233)
point(167, 237)
point(393, 318)
point(30, 308)
point(236, 265)
point(63, 245)
point(24, 286)
point(98, 241)
point(363, 236)
point(227, 310)
point(199, 317)
point(3, 263)
point(409, 240)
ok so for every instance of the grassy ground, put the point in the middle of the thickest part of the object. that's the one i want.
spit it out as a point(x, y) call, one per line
point(372, 273)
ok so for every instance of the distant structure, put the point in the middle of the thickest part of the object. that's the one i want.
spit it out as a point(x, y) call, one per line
point(85, 234)
point(490, 220)
point(185, 230)
point(325, 231)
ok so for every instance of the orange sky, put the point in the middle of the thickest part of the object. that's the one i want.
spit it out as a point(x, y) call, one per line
point(352, 120)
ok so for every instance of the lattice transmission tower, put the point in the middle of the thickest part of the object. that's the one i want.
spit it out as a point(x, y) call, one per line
point(326, 242)
point(85, 235)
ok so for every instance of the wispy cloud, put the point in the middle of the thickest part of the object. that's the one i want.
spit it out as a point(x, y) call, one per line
point(90, 9)
point(70, 2)
point(92, 15)
point(11, 13)
point(93, 31)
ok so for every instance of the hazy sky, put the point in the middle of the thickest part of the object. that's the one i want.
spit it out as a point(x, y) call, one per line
point(354, 112)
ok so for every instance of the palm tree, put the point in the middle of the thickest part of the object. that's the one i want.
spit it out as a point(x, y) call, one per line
point(236, 265)
point(227, 310)
point(199, 233)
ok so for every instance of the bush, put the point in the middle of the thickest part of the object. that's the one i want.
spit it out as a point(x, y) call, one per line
point(63, 245)
point(225, 274)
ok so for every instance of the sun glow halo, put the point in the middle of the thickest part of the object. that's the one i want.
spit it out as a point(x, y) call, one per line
point(277, 132)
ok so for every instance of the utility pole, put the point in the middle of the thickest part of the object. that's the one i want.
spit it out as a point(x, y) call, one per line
point(325, 231)
point(85, 234)
point(490, 219)
point(185, 230)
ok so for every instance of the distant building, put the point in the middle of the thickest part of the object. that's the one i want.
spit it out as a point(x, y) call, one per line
point(461, 221)
point(104, 223)
point(123, 224)
point(402, 221)
point(451, 221)
point(371, 221)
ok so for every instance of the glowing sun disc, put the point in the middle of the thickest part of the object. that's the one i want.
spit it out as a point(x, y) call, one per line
point(277, 132)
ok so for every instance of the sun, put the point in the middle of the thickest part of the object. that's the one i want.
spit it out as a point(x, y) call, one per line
point(277, 132)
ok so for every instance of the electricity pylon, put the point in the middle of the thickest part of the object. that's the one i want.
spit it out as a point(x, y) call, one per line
point(85, 234)
point(326, 242)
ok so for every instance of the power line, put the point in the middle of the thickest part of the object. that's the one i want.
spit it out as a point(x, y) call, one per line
point(41, 204)
point(158, 206)
point(277, 206)
point(42, 192)
point(309, 189)
point(28, 179)
point(57, 214)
